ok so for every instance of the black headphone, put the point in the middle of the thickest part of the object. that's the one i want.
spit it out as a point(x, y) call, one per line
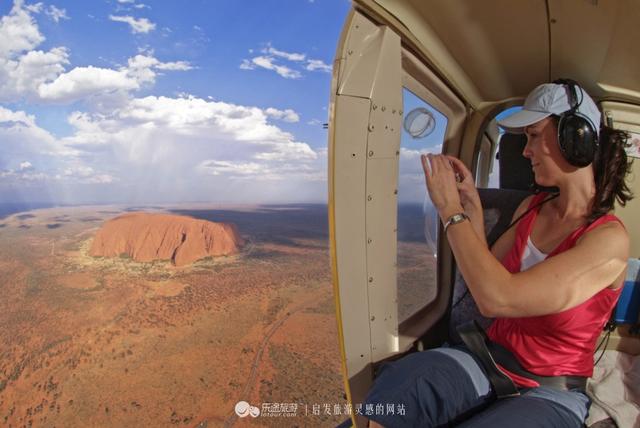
point(577, 135)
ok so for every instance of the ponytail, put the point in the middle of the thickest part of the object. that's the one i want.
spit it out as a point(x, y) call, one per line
point(611, 167)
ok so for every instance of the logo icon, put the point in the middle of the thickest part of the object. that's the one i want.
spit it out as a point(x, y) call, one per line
point(244, 409)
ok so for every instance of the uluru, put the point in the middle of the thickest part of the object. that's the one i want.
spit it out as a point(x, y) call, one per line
point(152, 236)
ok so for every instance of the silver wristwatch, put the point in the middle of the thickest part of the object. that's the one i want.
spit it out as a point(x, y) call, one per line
point(455, 219)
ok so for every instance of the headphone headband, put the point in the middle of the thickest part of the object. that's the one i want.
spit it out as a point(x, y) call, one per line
point(572, 95)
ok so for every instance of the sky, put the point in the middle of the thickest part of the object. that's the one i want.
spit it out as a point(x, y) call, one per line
point(156, 101)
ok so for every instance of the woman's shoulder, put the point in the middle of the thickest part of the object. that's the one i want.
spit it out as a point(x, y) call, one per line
point(607, 219)
point(608, 236)
point(608, 226)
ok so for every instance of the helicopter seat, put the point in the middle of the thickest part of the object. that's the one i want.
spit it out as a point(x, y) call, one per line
point(516, 183)
point(499, 206)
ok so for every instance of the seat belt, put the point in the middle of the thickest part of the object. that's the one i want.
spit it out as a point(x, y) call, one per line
point(476, 340)
point(491, 354)
point(506, 359)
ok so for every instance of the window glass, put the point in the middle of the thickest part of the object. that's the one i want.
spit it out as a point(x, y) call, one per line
point(423, 132)
point(489, 159)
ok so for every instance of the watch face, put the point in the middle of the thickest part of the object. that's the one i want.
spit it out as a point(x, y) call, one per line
point(457, 218)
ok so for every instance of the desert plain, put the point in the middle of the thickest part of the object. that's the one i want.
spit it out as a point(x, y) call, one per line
point(111, 342)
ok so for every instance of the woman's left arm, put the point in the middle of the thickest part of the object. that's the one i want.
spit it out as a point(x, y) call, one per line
point(556, 284)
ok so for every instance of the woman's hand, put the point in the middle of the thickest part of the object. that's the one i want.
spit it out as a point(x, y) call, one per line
point(469, 197)
point(452, 190)
point(442, 185)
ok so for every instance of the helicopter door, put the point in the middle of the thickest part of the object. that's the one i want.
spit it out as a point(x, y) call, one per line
point(384, 273)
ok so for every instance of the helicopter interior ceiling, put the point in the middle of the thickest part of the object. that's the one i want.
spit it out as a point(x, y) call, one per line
point(495, 50)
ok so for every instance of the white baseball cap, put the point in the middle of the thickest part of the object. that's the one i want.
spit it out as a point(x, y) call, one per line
point(549, 99)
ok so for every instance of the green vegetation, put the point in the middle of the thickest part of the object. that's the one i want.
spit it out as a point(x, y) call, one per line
point(34, 282)
point(275, 306)
point(327, 307)
point(55, 343)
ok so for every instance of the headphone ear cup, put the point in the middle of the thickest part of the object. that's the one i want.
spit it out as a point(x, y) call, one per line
point(577, 139)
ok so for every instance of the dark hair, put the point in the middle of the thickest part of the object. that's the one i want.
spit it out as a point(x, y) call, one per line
point(610, 168)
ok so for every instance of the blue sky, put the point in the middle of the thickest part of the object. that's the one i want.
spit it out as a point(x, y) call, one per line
point(139, 101)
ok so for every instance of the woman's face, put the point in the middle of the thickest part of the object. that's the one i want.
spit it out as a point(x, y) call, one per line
point(543, 151)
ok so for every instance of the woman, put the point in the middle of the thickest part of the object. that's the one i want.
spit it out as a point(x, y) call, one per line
point(550, 282)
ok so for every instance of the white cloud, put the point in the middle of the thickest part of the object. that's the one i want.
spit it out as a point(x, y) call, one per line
point(35, 8)
point(126, 1)
point(214, 167)
point(287, 151)
point(162, 148)
point(19, 123)
point(55, 13)
point(142, 25)
point(268, 63)
point(289, 56)
point(21, 77)
point(30, 176)
point(21, 138)
point(247, 65)
point(272, 59)
point(40, 75)
point(287, 115)
point(142, 66)
point(18, 32)
point(25, 165)
point(174, 66)
point(316, 64)
point(36, 75)
point(86, 175)
point(170, 137)
point(148, 148)
point(82, 82)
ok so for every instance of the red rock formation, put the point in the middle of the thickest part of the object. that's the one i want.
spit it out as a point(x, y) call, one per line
point(147, 237)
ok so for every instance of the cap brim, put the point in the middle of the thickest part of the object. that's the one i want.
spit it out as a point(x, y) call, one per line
point(516, 123)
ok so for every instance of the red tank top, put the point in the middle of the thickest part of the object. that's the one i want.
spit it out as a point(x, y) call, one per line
point(554, 344)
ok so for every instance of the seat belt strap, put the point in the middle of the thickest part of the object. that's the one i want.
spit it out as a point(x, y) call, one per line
point(491, 354)
point(475, 339)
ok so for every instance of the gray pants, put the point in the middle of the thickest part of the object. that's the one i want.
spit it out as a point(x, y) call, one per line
point(446, 386)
